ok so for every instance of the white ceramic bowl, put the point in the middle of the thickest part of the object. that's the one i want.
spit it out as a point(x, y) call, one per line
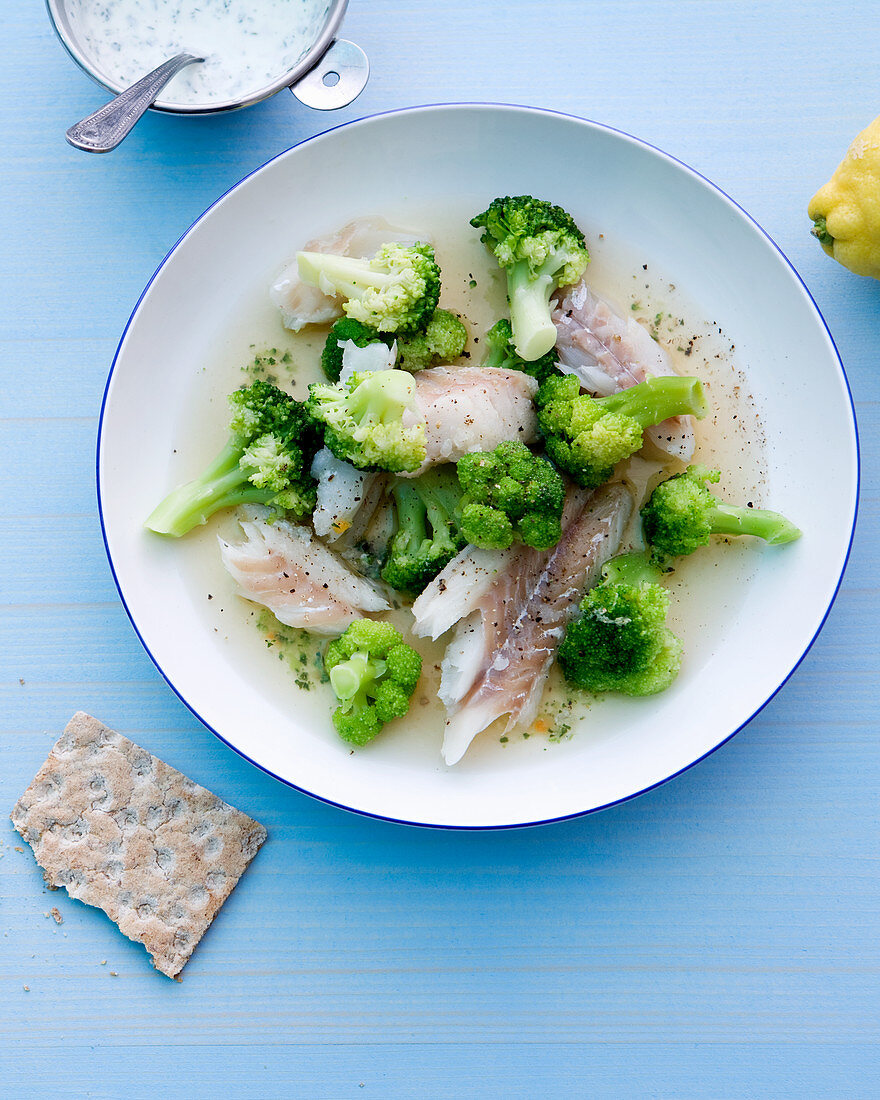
point(648, 206)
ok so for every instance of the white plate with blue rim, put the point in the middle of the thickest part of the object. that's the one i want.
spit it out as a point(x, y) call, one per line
point(666, 244)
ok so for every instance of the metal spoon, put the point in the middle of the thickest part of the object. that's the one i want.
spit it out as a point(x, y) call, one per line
point(103, 130)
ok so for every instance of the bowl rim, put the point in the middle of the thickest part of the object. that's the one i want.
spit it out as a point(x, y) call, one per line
point(335, 14)
point(489, 106)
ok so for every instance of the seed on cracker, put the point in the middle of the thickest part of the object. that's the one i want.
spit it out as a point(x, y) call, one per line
point(125, 832)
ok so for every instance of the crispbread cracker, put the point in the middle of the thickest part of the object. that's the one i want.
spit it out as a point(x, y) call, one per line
point(120, 830)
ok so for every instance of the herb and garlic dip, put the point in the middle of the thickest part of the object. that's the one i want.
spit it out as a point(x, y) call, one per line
point(246, 45)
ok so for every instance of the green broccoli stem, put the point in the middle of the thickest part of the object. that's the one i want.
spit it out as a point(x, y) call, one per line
point(634, 568)
point(440, 504)
point(224, 484)
point(424, 510)
point(774, 528)
point(495, 343)
point(412, 515)
point(341, 275)
point(382, 397)
point(657, 399)
point(495, 357)
point(534, 333)
point(350, 679)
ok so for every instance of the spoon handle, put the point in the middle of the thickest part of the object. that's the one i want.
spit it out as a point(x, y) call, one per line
point(103, 130)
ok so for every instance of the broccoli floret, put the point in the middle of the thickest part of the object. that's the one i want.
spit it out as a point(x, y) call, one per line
point(374, 674)
point(396, 291)
point(441, 342)
point(266, 460)
point(345, 329)
point(587, 436)
point(363, 420)
point(682, 515)
point(621, 641)
point(502, 353)
point(510, 493)
point(541, 248)
point(427, 535)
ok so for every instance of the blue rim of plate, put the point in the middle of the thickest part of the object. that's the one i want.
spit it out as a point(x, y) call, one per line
point(537, 111)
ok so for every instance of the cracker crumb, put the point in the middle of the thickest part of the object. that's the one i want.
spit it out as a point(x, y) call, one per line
point(125, 832)
point(26, 988)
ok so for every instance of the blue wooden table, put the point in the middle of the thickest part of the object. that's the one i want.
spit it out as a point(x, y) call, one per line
point(716, 937)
